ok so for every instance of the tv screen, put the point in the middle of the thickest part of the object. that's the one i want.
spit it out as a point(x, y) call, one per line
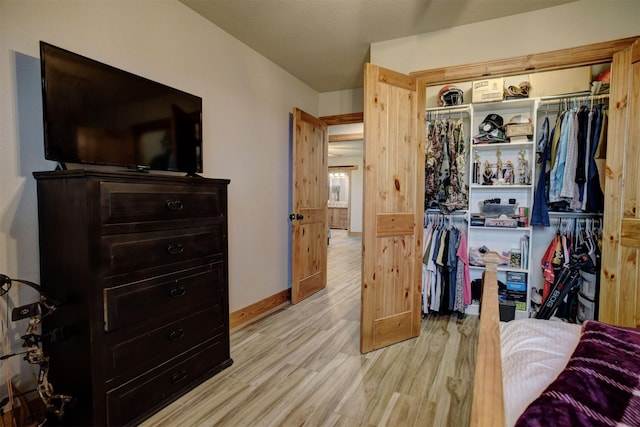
point(97, 114)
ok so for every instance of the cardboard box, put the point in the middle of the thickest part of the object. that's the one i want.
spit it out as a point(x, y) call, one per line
point(501, 222)
point(524, 129)
point(488, 90)
point(560, 82)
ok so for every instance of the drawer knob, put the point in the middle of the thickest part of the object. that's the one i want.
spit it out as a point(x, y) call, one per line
point(178, 376)
point(177, 291)
point(176, 334)
point(175, 248)
point(175, 205)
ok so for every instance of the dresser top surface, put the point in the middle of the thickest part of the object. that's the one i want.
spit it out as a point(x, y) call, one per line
point(128, 176)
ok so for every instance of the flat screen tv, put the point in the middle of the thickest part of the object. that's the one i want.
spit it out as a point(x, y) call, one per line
point(99, 115)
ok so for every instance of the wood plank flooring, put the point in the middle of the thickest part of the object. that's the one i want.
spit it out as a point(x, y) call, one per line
point(302, 366)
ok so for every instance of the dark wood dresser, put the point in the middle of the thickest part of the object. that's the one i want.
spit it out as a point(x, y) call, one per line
point(140, 261)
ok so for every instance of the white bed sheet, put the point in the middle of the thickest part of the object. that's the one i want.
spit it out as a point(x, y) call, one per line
point(534, 352)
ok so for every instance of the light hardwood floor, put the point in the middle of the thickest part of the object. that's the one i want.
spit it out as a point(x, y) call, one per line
point(302, 366)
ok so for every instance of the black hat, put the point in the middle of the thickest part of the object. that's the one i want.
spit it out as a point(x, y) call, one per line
point(491, 123)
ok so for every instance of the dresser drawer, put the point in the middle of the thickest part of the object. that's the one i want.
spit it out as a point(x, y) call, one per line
point(124, 253)
point(159, 299)
point(154, 389)
point(140, 352)
point(126, 202)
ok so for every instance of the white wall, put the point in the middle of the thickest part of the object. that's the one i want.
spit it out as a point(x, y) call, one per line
point(341, 102)
point(247, 102)
point(572, 24)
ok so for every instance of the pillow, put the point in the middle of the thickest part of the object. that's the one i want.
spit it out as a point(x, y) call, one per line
point(534, 352)
point(600, 386)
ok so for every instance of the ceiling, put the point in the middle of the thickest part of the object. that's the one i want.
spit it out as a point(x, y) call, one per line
point(346, 149)
point(345, 140)
point(325, 43)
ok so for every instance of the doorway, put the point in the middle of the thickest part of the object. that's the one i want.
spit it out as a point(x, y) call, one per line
point(345, 192)
point(346, 156)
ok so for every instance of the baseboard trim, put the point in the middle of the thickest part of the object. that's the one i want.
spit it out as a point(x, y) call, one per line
point(259, 309)
point(354, 234)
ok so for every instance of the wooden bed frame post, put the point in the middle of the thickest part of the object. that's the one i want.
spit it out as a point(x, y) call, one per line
point(488, 404)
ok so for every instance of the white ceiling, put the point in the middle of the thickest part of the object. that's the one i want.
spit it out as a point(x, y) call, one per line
point(325, 43)
point(351, 148)
point(346, 149)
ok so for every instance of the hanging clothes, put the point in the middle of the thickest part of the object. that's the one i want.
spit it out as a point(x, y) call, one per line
point(433, 160)
point(540, 210)
point(463, 278)
point(595, 196)
point(572, 237)
point(568, 177)
point(445, 165)
point(446, 283)
point(560, 159)
point(426, 276)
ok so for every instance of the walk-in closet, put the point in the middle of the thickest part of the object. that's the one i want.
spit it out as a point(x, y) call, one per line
point(512, 191)
point(493, 148)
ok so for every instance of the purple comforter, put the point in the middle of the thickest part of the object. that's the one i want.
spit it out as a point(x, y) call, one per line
point(600, 385)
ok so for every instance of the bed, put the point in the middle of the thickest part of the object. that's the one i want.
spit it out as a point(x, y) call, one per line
point(533, 372)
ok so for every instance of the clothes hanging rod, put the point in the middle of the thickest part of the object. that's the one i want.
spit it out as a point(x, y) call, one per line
point(570, 97)
point(445, 110)
point(578, 215)
point(434, 211)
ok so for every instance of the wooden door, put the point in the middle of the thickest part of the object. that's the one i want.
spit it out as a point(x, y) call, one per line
point(393, 208)
point(310, 174)
point(620, 276)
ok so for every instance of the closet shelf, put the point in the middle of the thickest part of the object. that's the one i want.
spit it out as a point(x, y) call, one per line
point(483, 227)
point(575, 214)
point(514, 269)
point(504, 105)
point(501, 145)
point(501, 187)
